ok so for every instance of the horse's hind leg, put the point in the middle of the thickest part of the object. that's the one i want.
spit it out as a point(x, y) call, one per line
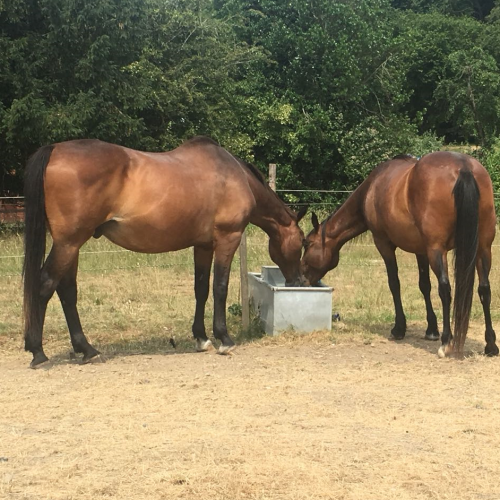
point(388, 252)
point(439, 264)
point(224, 251)
point(202, 266)
point(424, 283)
point(67, 291)
point(483, 270)
point(55, 267)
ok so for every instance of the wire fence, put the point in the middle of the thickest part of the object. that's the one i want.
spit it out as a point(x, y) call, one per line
point(12, 207)
point(100, 258)
point(357, 254)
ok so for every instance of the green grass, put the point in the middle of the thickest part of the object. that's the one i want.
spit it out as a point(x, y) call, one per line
point(131, 303)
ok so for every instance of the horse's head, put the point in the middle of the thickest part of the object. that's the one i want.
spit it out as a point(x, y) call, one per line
point(319, 257)
point(286, 250)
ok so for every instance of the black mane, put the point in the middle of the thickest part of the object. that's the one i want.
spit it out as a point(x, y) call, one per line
point(255, 171)
point(203, 139)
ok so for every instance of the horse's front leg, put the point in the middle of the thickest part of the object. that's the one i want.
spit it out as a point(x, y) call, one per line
point(388, 252)
point(202, 265)
point(225, 248)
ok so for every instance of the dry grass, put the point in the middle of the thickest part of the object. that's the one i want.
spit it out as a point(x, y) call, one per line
point(344, 414)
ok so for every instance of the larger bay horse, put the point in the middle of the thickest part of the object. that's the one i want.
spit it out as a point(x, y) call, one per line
point(427, 207)
point(197, 195)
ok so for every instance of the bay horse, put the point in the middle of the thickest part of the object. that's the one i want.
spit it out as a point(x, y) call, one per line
point(428, 207)
point(197, 195)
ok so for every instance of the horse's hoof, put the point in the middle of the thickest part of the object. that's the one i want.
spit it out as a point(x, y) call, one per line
point(38, 359)
point(398, 332)
point(397, 335)
point(203, 345)
point(226, 349)
point(95, 358)
point(431, 336)
point(445, 350)
point(491, 351)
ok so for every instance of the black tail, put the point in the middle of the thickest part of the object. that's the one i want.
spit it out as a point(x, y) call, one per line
point(466, 194)
point(34, 238)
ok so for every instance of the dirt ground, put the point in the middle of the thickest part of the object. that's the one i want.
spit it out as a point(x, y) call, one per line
point(298, 419)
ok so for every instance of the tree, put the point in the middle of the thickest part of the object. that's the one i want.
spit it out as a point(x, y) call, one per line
point(331, 103)
point(471, 90)
point(146, 74)
point(479, 9)
point(430, 39)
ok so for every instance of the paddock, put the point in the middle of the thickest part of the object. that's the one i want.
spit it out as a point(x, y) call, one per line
point(346, 414)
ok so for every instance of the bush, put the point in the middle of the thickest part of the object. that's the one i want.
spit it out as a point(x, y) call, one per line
point(491, 160)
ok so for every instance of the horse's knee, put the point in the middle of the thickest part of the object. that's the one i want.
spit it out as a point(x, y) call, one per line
point(220, 290)
point(484, 292)
point(47, 289)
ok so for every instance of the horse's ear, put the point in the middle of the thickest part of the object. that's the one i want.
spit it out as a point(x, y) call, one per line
point(315, 221)
point(301, 213)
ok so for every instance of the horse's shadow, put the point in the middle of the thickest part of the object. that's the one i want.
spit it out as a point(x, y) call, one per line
point(162, 345)
point(415, 337)
point(157, 345)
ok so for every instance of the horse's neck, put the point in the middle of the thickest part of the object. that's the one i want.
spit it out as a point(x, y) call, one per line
point(270, 213)
point(349, 220)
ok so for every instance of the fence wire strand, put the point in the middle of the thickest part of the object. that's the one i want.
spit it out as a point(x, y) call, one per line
point(18, 200)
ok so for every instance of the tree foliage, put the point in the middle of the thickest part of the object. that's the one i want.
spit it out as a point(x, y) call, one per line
point(143, 74)
point(325, 89)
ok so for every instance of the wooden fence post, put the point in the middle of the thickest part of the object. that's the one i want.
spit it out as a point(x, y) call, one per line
point(272, 176)
point(245, 306)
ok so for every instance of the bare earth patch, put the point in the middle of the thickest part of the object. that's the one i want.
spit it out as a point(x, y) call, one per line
point(293, 418)
point(341, 415)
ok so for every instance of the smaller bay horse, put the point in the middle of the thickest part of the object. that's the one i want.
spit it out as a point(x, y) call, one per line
point(428, 207)
point(198, 195)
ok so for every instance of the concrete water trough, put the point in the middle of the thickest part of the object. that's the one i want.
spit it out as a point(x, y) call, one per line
point(280, 307)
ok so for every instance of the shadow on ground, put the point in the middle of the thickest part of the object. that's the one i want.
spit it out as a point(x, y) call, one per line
point(415, 337)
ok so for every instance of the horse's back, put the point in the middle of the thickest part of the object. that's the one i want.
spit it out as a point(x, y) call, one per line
point(149, 202)
point(411, 203)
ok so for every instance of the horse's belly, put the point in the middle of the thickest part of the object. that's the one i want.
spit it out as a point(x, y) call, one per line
point(144, 237)
point(408, 238)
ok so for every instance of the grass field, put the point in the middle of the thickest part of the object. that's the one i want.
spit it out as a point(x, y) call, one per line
point(135, 302)
point(344, 414)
